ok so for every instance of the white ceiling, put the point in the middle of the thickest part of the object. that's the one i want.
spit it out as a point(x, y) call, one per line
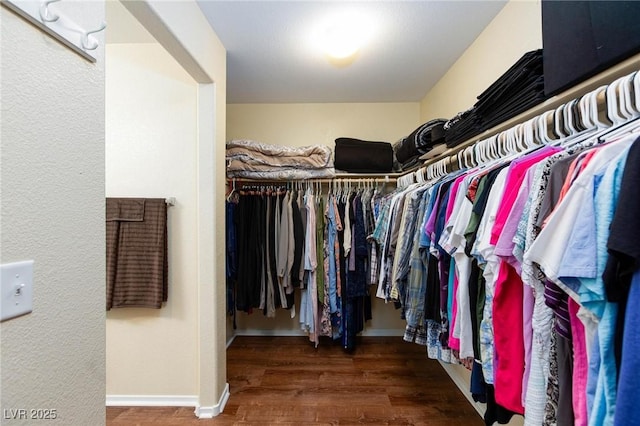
point(270, 58)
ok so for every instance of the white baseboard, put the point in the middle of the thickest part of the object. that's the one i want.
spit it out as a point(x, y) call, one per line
point(211, 412)
point(170, 401)
point(463, 385)
point(152, 401)
point(230, 341)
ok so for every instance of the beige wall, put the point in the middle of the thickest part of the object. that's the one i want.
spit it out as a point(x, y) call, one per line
point(151, 137)
point(181, 29)
point(52, 208)
point(517, 29)
point(307, 124)
point(310, 124)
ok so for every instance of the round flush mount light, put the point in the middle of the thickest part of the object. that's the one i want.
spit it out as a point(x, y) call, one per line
point(341, 36)
point(342, 40)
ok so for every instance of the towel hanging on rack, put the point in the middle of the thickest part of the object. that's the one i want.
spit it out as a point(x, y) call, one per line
point(136, 249)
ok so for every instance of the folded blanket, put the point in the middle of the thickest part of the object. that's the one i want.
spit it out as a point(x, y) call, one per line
point(253, 153)
point(284, 173)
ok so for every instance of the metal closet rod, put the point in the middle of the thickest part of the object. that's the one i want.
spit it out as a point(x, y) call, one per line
point(362, 179)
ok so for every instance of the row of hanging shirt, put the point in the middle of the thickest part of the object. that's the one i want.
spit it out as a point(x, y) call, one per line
point(500, 265)
point(283, 238)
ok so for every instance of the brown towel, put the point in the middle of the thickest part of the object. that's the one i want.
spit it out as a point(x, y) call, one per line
point(137, 268)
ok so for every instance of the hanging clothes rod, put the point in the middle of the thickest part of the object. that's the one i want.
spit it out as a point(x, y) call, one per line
point(453, 155)
point(600, 108)
point(337, 179)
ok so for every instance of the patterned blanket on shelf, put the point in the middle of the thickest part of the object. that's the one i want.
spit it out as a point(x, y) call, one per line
point(251, 159)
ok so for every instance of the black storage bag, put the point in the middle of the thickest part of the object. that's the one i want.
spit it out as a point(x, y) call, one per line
point(358, 156)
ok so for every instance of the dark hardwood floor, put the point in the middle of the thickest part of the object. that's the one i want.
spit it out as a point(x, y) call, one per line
point(285, 380)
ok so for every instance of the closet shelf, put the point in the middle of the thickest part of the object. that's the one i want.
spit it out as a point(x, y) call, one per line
point(378, 177)
point(625, 67)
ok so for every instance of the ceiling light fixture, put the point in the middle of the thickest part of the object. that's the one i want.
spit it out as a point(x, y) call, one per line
point(342, 36)
point(342, 40)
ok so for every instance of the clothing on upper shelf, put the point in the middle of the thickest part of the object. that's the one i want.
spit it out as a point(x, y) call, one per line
point(256, 160)
point(503, 264)
point(422, 140)
point(520, 88)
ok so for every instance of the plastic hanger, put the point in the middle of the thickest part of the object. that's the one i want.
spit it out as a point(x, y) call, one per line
point(544, 122)
point(529, 135)
point(520, 141)
point(468, 154)
point(585, 112)
point(493, 148)
point(567, 112)
point(612, 102)
point(459, 157)
point(232, 194)
point(598, 102)
point(636, 91)
point(624, 94)
point(558, 123)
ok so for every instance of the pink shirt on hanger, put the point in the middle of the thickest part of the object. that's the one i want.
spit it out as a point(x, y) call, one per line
point(508, 302)
point(516, 174)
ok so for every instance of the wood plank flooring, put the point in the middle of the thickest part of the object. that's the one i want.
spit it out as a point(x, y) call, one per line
point(285, 380)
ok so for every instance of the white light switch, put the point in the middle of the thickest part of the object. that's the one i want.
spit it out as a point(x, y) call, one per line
point(16, 289)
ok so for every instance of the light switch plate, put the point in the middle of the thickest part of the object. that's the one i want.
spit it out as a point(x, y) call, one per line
point(16, 289)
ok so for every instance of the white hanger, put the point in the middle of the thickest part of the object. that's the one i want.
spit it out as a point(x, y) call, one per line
point(509, 145)
point(636, 91)
point(476, 154)
point(233, 190)
point(493, 148)
point(459, 158)
point(486, 149)
point(520, 138)
point(558, 123)
point(529, 133)
point(542, 131)
point(479, 153)
point(595, 112)
point(612, 102)
point(500, 141)
point(585, 112)
point(627, 95)
point(468, 155)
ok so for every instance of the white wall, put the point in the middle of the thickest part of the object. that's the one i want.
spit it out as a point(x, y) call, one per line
point(151, 137)
point(52, 209)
